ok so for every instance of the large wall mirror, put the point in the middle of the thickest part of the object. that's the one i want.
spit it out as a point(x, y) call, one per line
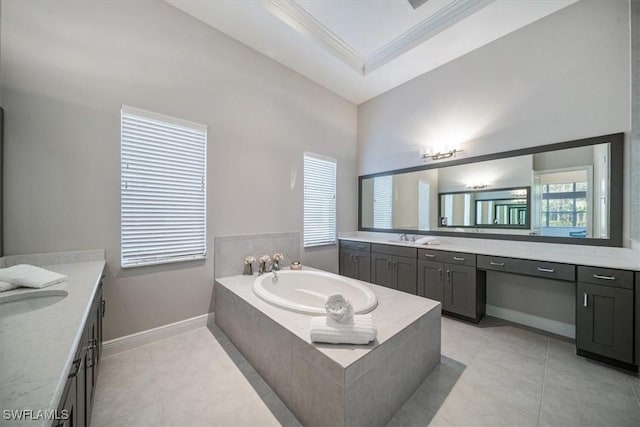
point(569, 192)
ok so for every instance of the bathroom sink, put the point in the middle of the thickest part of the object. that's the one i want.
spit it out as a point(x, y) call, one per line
point(12, 305)
point(408, 242)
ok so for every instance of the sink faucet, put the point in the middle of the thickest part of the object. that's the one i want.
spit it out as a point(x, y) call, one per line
point(404, 237)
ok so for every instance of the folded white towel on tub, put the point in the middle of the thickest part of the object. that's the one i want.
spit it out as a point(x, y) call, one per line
point(29, 276)
point(359, 330)
point(6, 286)
point(339, 308)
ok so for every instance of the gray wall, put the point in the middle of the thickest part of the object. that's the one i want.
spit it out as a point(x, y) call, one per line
point(564, 77)
point(68, 66)
point(635, 131)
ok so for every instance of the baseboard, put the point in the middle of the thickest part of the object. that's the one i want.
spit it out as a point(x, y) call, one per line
point(553, 326)
point(129, 342)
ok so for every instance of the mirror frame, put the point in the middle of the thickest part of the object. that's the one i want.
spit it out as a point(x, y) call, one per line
point(525, 226)
point(615, 185)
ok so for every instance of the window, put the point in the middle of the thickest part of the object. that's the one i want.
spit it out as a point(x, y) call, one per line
point(163, 195)
point(564, 205)
point(319, 200)
point(383, 201)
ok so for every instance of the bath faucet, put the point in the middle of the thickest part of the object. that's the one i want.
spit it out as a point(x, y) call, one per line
point(274, 279)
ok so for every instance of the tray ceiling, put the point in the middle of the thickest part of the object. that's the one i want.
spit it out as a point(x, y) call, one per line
point(362, 48)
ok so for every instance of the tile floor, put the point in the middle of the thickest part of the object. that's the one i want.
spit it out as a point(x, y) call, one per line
point(492, 374)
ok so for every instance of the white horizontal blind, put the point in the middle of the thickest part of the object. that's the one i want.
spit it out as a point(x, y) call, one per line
point(319, 200)
point(383, 201)
point(163, 195)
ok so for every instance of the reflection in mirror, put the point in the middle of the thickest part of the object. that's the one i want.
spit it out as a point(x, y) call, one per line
point(502, 208)
point(559, 193)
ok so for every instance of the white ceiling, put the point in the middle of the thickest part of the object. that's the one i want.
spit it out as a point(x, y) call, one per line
point(362, 48)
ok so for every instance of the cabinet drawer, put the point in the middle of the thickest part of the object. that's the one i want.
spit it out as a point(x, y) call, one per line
point(394, 250)
point(549, 270)
point(458, 258)
point(352, 244)
point(606, 277)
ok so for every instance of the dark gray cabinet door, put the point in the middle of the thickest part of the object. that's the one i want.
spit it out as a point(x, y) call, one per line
point(405, 274)
point(382, 270)
point(430, 280)
point(362, 266)
point(604, 321)
point(347, 264)
point(460, 290)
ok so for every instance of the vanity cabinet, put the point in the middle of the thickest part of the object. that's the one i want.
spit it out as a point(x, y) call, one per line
point(355, 264)
point(80, 387)
point(605, 314)
point(394, 267)
point(453, 281)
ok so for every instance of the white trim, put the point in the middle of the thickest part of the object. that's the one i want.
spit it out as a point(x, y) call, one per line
point(163, 118)
point(553, 326)
point(430, 27)
point(129, 342)
point(301, 20)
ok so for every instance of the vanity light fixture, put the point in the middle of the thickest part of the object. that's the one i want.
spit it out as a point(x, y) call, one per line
point(478, 186)
point(440, 155)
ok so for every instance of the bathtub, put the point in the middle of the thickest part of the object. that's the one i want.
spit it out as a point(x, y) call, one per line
point(307, 291)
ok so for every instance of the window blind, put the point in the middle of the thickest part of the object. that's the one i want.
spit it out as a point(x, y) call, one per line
point(163, 194)
point(319, 200)
point(383, 201)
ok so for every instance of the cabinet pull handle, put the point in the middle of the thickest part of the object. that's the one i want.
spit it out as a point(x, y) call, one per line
point(395, 265)
point(103, 307)
point(429, 255)
point(498, 264)
point(585, 301)
point(597, 276)
point(440, 271)
point(76, 366)
point(389, 264)
point(449, 275)
point(546, 270)
point(351, 258)
point(455, 258)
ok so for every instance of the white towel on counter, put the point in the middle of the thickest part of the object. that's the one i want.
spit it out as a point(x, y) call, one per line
point(29, 276)
point(6, 286)
point(339, 308)
point(359, 330)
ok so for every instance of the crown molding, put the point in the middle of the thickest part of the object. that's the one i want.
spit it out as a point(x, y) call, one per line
point(293, 14)
point(297, 17)
point(436, 23)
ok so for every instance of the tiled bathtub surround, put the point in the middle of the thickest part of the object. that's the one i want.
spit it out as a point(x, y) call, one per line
point(230, 251)
point(334, 384)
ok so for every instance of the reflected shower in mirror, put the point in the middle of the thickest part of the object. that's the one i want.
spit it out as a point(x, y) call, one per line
point(561, 192)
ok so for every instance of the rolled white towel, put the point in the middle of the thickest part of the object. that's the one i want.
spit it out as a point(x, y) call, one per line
point(29, 276)
point(360, 330)
point(6, 286)
point(339, 308)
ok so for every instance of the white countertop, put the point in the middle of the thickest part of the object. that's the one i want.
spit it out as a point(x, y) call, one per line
point(596, 256)
point(37, 348)
point(389, 320)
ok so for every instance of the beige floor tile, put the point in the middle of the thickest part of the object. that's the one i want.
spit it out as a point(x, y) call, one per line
point(148, 416)
point(492, 374)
